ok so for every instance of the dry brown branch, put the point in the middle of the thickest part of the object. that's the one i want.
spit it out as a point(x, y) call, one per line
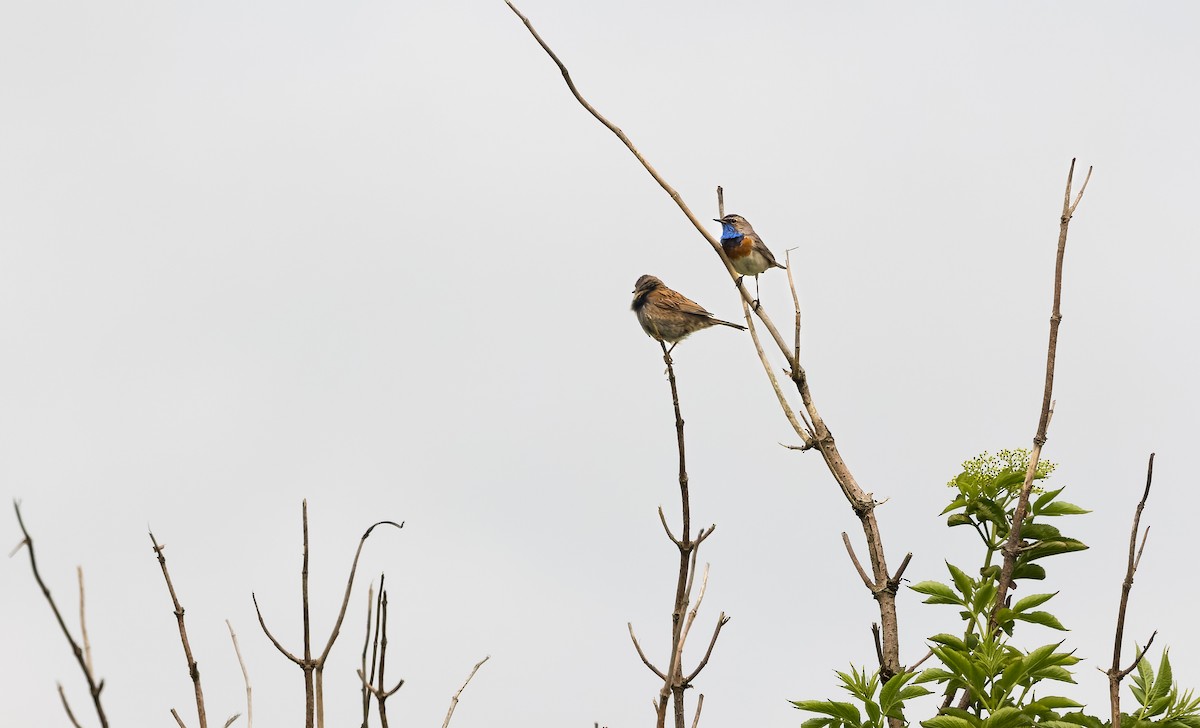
point(805, 434)
point(193, 668)
point(454, 700)
point(1013, 544)
point(860, 501)
point(313, 667)
point(178, 720)
point(94, 687)
point(245, 677)
point(67, 706)
point(362, 670)
point(83, 633)
point(857, 565)
point(642, 655)
point(1115, 673)
point(229, 721)
point(699, 707)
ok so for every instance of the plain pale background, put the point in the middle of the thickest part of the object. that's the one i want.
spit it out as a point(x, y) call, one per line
point(373, 254)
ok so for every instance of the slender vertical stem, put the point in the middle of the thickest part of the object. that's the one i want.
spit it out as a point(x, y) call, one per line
point(1012, 545)
point(1115, 674)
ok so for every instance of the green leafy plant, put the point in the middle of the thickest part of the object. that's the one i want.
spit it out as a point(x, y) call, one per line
point(987, 681)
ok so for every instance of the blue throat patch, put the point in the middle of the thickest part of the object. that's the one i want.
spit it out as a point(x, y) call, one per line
point(728, 234)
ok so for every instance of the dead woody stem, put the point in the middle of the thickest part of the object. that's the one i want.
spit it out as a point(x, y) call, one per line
point(1115, 673)
point(1013, 544)
point(193, 668)
point(313, 667)
point(884, 584)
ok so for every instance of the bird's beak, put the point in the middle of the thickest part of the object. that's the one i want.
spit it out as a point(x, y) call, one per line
point(717, 219)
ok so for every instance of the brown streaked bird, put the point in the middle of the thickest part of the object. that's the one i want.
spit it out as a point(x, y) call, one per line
point(745, 250)
point(670, 316)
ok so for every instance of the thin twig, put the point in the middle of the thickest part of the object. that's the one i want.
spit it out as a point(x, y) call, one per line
point(229, 721)
point(67, 706)
point(721, 622)
point(178, 719)
point(454, 700)
point(857, 565)
point(878, 644)
point(94, 687)
point(245, 676)
point(83, 633)
point(313, 667)
point(642, 655)
point(1115, 675)
point(918, 663)
point(700, 699)
point(193, 668)
point(1011, 547)
point(805, 434)
point(362, 671)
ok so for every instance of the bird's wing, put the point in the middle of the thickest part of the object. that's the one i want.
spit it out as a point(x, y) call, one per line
point(766, 253)
point(682, 303)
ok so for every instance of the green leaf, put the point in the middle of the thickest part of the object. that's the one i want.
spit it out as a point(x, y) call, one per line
point(948, 721)
point(984, 598)
point(989, 510)
point(843, 712)
point(1029, 571)
point(1031, 601)
point(914, 691)
point(1062, 508)
point(938, 593)
point(1088, 721)
point(820, 722)
point(1162, 684)
point(933, 674)
point(1043, 618)
point(1040, 532)
point(1055, 702)
point(955, 504)
point(1007, 717)
point(1054, 673)
point(1042, 549)
point(873, 713)
point(1042, 500)
point(962, 582)
point(949, 640)
point(959, 519)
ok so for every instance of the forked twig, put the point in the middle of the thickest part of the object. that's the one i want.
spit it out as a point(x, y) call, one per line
point(1115, 673)
point(94, 687)
point(313, 667)
point(1011, 547)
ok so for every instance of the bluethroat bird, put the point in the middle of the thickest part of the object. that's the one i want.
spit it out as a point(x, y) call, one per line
point(666, 315)
point(745, 249)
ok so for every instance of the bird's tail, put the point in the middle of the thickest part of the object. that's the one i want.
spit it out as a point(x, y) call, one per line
point(726, 323)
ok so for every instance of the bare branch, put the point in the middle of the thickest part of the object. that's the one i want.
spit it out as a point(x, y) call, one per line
point(1140, 656)
point(67, 706)
point(878, 644)
point(94, 688)
point(350, 585)
point(804, 434)
point(642, 655)
point(231, 719)
point(1011, 547)
point(1115, 674)
point(667, 528)
point(721, 622)
point(857, 565)
point(454, 700)
point(178, 720)
point(919, 662)
point(282, 650)
point(699, 700)
point(83, 633)
point(193, 669)
point(245, 677)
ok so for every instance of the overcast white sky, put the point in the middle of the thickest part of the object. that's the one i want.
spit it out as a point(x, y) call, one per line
point(373, 254)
